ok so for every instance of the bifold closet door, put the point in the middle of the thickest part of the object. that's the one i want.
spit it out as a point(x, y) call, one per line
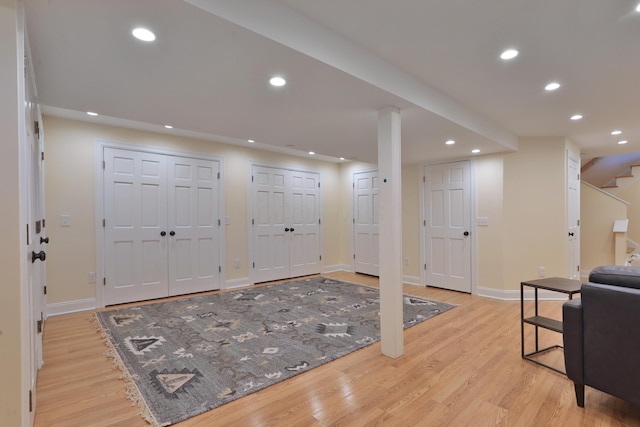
point(286, 223)
point(162, 225)
point(135, 203)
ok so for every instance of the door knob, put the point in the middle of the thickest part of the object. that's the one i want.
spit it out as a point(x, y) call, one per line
point(286, 229)
point(172, 233)
point(163, 233)
point(570, 234)
point(44, 240)
point(291, 229)
point(38, 255)
point(466, 233)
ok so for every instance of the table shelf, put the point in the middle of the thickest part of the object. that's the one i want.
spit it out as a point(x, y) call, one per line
point(545, 322)
point(556, 284)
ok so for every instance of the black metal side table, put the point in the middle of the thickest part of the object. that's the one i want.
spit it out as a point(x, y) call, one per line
point(557, 284)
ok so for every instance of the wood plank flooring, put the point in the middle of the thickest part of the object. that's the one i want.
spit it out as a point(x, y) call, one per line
point(461, 368)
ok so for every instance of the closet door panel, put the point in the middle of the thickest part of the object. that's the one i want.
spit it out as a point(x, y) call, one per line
point(194, 260)
point(135, 215)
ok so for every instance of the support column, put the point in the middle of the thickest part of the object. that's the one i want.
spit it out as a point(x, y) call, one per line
point(390, 226)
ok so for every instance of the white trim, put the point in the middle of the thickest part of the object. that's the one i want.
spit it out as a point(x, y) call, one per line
point(237, 283)
point(58, 308)
point(337, 267)
point(514, 295)
point(412, 280)
point(606, 193)
point(99, 146)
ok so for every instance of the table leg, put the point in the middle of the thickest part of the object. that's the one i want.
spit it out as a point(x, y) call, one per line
point(522, 318)
point(536, 305)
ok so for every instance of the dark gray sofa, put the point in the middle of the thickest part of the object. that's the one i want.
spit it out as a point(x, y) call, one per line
point(601, 334)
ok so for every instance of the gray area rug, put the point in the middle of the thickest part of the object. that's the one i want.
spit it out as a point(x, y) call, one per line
point(184, 357)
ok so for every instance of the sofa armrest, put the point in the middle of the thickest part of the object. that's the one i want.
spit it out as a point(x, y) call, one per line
point(572, 330)
point(611, 315)
point(616, 275)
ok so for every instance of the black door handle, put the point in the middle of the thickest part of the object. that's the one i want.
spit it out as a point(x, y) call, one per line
point(44, 240)
point(291, 229)
point(286, 229)
point(38, 255)
point(163, 233)
point(570, 234)
point(172, 233)
point(466, 233)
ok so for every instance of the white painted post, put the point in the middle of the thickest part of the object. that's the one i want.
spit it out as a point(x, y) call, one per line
point(390, 226)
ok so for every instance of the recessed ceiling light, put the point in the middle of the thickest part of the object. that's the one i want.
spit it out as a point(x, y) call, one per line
point(475, 151)
point(509, 54)
point(312, 152)
point(143, 34)
point(250, 141)
point(277, 81)
point(450, 142)
point(616, 132)
point(341, 158)
point(168, 126)
point(91, 113)
point(576, 117)
point(638, 8)
point(552, 86)
point(622, 142)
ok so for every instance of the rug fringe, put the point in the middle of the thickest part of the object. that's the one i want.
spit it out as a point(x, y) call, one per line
point(132, 391)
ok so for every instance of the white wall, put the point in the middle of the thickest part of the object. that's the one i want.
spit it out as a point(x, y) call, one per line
point(70, 191)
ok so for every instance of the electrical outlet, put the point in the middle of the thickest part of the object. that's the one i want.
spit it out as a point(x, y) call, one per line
point(236, 263)
point(92, 277)
point(541, 271)
point(406, 261)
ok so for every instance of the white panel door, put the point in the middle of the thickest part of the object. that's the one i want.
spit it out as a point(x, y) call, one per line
point(285, 222)
point(135, 203)
point(447, 215)
point(270, 239)
point(365, 222)
point(304, 223)
point(193, 225)
point(573, 215)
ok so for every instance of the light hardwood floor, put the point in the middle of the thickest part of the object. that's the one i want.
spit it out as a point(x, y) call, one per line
point(461, 368)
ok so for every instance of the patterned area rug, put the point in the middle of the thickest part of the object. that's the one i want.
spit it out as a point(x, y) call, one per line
point(183, 357)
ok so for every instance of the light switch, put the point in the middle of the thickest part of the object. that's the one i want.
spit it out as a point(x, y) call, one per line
point(65, 221)
point(227, 221)
point(482, 221)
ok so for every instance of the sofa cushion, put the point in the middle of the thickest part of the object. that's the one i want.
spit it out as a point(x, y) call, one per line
point(616, 275)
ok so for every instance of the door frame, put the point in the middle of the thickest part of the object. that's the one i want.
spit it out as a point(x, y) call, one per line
point(98, 157)
point(472, 221)
point(251, 207)
point(353, 212)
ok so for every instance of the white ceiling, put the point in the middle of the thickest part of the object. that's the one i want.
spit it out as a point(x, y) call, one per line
point(438, 61)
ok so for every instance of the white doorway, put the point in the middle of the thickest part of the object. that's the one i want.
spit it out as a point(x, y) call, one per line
point(285, 223)
point(447, 226)
point(365, 222)
point(573, 215)
point(161, 221)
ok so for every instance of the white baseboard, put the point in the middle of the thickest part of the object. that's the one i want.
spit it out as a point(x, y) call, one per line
point(66, 307)
point(412, 280)
point(514, 294)
point(336, 267)
point(237, 283)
